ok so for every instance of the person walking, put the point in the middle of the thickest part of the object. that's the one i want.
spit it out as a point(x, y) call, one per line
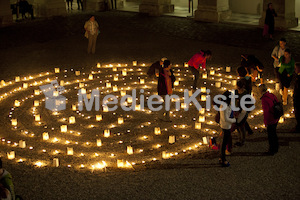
point(270, 122)
point(165, 84)
point(286, 70)
point(277, 52)
point(269, 22)
point(195, 62)
point(92, 30)
point(296, 98)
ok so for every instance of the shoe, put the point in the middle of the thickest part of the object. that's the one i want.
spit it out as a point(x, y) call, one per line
point(227, 153)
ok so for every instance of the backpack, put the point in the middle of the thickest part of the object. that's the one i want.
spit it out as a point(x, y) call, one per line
point(277, 109)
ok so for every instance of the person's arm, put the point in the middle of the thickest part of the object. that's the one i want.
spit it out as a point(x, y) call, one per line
point(274, 53)
point(226, 116)
point(9, 185)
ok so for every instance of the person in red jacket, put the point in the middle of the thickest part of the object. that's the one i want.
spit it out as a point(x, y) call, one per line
point(195, 62)
point(270, 121)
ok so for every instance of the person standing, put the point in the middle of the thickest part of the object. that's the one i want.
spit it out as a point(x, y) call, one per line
point(195, 62)
point(92, 29)
point(165, 86)
point(269, 22)
point(277, 52)
point(6, 180)
point(79, 3)
point(270, 122)
point(286, 70)
point(68, 3)
point(156, 67)
point(296, 97)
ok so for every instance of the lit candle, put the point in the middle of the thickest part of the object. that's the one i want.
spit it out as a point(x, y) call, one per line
point(3, 82)
point(120, 120)
point(123, 93)
point(212, 72)
point(176, 83)
point(22, 144)
point(91, 77)
point(201, 119)
point(63, 128)
point(55, 162)
point(186, 64)
point(62, 83)
point(74, 108)
point(37, 118)
point(72, 120)
point(98, 118)
point(17, 78)
point(190, 92)
point(124, 73)
point(83, 91)
point(183, 105)
point(45, 136)
point(129, 150)
point(56, 70)
point(17, 103)
point(218, 84)
point(115, 88)
point(205, 140)
point(134, 63)
point(165, 155)
point(203, 97)
point(36, 92)
point(106, 133)
point(129, 99)
point(98, 65)
point(202, 111)
point(203, 89)
point(204, 75)
point(197, 125)
point(157, 131)
point(70, 151)
point(55, 93)
point(138, 107)
point(81, 85)
point(228, 69)
point(281, 120)
point(114, 69)
point(105, 108)
point(234, 82)
point(11, 155)
point(172, 139)
point(25, 85)
point(108, 85)
point(120, 163)
point(142, 81)
point(36, 103)
point(77, 73)
point(116, 78)
point(14, 122)
point(99, 143)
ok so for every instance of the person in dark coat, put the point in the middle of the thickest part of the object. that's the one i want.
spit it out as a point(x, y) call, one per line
point(165, 86)
point(296, 97)
point(269, 20)
point(156, 67)
point(253, 66)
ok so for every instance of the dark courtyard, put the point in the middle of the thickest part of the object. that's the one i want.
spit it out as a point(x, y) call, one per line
point(34, 46)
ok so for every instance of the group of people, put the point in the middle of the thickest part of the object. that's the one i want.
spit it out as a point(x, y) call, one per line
point(249, 72)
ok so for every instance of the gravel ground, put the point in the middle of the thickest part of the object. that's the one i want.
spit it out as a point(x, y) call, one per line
point(34, 46)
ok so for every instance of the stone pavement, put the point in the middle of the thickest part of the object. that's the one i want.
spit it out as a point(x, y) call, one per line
point(34, 46)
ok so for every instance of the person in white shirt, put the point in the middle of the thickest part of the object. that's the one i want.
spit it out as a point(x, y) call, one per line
point(92, 29)
point(277, 52)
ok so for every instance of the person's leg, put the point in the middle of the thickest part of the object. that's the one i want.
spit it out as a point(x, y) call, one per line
point(71, 4)
point(273, 139)
point(68, 3)
point(94, 43)
point(285, 96)
point(276, 73)
point(248, 128)
point(297, 115)
point(226, 134)
point(89, 50)
point(269, 131)
point(195, 73)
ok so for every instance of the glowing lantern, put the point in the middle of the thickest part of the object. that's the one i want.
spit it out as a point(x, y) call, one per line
point(98, 118)
point(120, 120)
point(108, 85)
point(204, 75)
point(22, 144)
point(74, 108)
point(17, 79)
point(129, 150)
point(25, 85)
point(203, 97)
point(105, 108)
point(172, 139)
point(36, 92)
point(281, 120)
point(218, 84)
point(186, 64)
point(205, 140)
point(37, 118)
point(120, 163)
point(17, 103)
point(134, 63)
point(157, 131)
point(56, 70)
point(55, 93)
point(11, 155)
point(165, 155)
point(63, 128)
point(142, 81)
point(81, 85)
point(228, 69)
point(138, 107)
point(277, 86)
point(190, 92)
point(72, 120)
point(124, 73)
point(114, 69)
point(202, 111)
point(123, 93)
point(234, 82)
point(115, 88)
point(176, 83)
point(70, 151)
point(36, 103)
point(129, 99)
point(14, 122)
point(3, 82)
point(91, 77)
point(55, 162)
point(106, 133)
point(98, 65)
point(99, 143)
point(83, 91)
point(89, 96)
point(203, 89)
point(183, 105)
point(116, 78)
point(201, 119)
point(77, 73)
point(62, 83)
point(45, 136)
point(197, 125)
